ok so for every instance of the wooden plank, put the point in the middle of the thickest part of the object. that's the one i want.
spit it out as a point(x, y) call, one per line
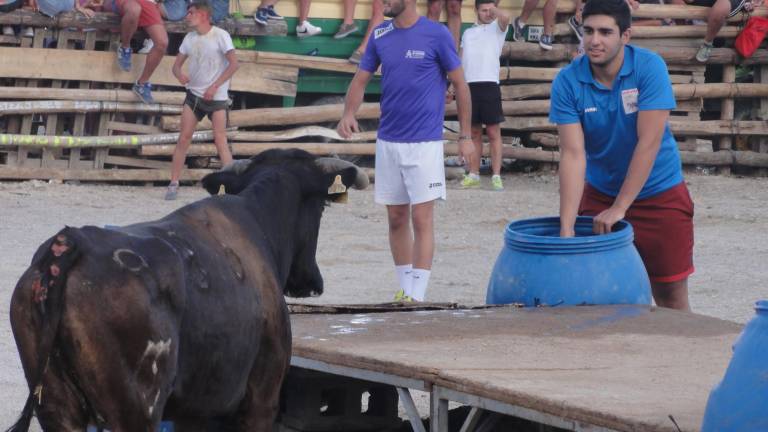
point(550, 373)
point(49, 141)
point(111, 21)
point(661, 32)
point(137, 163)
point(100, 175)
point(52, 107)
point(100, 66)
point(672, 55)
point(134, 128)
point(87, 94)
point(678, 127)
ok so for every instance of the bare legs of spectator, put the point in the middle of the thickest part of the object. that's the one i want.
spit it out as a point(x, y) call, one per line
point(715, 21)
point(348, 25)
point(435, 8)
point(548, 14)
point(188, 123)
point(304, 28)
point(159, 38)
point(377, 17)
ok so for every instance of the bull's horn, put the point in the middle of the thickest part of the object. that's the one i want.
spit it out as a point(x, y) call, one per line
point(238, 166)
point(334, 164)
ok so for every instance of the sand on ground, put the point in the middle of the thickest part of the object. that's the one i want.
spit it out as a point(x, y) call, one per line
point(730, 255)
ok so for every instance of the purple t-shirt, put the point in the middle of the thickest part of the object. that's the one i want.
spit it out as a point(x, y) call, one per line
point(414, 62)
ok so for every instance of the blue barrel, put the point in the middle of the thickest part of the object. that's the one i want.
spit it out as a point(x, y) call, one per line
point(740, 401)
point(538, 267)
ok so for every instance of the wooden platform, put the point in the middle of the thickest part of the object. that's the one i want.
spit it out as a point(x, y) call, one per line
point(625, 368)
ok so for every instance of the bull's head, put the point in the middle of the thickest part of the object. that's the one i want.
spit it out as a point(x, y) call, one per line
point(290, 189)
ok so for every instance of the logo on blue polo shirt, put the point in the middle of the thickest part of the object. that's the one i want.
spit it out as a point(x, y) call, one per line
point(383, 30)
point(590, 109)
point(414, 54)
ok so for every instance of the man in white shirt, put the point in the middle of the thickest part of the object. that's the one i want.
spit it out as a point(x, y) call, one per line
point(480, 51)
point(212, 62)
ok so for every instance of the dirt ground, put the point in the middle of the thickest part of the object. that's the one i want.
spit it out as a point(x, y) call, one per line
point(730, 255)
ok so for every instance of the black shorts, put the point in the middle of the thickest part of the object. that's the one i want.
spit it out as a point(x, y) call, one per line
point(202, 107)
point(736, 5)
point(486, 103)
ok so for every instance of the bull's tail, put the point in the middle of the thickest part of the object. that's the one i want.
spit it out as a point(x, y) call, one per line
point(51, 265)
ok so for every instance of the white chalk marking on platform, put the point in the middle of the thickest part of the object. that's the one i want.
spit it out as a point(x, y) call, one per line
point(363, 320)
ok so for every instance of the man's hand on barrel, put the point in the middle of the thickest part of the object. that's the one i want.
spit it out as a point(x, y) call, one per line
point(603, 222)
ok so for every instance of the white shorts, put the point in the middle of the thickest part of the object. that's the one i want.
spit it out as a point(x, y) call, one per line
point(409, 173)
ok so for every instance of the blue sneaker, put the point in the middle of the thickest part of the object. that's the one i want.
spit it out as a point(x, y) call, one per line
point(124, 58)
point(261, 16)
point(144, 91)
point(272, 14)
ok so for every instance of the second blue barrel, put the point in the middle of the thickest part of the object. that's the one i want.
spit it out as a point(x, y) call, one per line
point(538, 267)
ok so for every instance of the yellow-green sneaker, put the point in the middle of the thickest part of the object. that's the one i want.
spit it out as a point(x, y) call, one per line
point(496, 183)
point(401, 297)
point(470, 182)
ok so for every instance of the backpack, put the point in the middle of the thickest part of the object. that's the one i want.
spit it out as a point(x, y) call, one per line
point(750, 38)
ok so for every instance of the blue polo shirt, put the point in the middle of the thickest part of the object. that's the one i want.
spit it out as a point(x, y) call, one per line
point(608, 117)
point(414, 62)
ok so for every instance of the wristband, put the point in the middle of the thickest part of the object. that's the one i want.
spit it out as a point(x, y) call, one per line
point(461, 137)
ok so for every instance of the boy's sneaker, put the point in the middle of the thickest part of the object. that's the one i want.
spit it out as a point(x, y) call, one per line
point(28, 32)
point(496, 183)
point(272, 14)
point(172, 192)
point(517, 30)
point(147, 46)
point(469, 181)
point(8, 31)
point(356, 57)
point(576, 27)
point(144, 92)
point(124, 58)
point(306, 30)
point(345, 30)
point(261, 16)
point(705, 50)
point(545, 42)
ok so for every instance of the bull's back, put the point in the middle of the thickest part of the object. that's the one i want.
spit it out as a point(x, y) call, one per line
point(232, 298)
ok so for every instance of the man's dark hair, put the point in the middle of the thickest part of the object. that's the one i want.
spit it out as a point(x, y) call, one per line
point(618, 9)
point(480, 2)
point(200, 5)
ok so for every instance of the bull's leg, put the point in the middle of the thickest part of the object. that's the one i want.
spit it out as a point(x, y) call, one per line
point(262, 400)
point(58, 403)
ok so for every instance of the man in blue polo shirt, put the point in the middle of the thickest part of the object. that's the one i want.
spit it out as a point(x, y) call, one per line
point(415, 55)
point(611, 108)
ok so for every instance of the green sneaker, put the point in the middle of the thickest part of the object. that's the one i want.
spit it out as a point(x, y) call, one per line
point(496, 183)
point(400, 295)
point(470, 182)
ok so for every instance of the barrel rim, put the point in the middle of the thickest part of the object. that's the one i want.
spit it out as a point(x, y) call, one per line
point(623, 233)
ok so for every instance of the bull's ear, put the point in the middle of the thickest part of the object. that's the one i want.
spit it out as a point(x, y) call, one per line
point(337, 191)
point(230, 180)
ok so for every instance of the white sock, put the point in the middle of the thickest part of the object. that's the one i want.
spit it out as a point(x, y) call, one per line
point(474, 176)
point(404, 277)
point(420, 282)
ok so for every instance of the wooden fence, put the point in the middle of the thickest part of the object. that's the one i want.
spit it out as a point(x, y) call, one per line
point(66, 110)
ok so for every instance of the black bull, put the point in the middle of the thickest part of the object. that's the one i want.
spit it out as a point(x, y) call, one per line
point(182, 318)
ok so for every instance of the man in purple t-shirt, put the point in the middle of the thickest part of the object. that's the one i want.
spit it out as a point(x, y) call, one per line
point(415, 55)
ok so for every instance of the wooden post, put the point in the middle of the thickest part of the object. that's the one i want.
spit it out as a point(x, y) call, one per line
point(726, 113)
point(761, 144)
point(79, 126)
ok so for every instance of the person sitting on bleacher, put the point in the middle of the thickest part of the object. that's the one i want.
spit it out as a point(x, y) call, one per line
point(719, 12)
point(135, 14)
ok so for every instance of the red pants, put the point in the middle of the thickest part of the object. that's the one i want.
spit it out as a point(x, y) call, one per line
point(663, 226)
